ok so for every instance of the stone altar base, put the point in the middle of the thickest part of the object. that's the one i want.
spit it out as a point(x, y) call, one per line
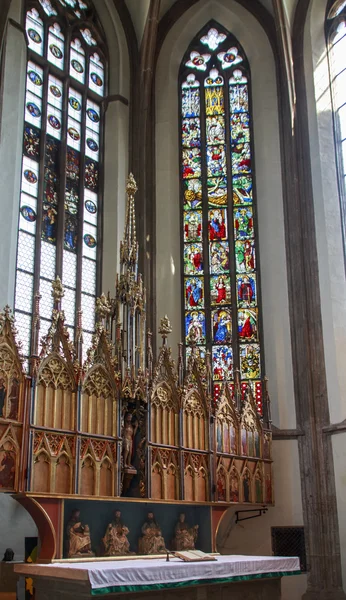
point(264, 589)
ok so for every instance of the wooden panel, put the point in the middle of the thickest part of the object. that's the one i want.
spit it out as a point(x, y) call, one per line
point(87, 487)
point(63, 476)
point(41, 475)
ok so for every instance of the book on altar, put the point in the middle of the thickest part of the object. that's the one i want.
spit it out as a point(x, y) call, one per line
point(194, 555)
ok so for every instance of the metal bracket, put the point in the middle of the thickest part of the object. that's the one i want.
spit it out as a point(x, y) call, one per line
point(259, 511)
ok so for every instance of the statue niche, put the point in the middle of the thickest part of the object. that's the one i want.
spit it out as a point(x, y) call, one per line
point(55, 396)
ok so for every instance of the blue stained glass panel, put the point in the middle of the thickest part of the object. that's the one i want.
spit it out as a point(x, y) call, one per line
point(221, 323)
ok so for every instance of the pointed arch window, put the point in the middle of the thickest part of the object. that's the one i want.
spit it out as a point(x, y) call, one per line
point(61, 201)
point(220, 303)
point(336, 44)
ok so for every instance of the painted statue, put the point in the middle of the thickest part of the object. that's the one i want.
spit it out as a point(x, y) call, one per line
point(77, 537)
point(128, 433)
point(185, 536)
point(151, 541)
point(115, 540)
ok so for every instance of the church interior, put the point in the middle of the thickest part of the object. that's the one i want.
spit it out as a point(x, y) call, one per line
point(173, 294)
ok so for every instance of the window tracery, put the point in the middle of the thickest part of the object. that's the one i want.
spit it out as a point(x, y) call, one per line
point(218, 214)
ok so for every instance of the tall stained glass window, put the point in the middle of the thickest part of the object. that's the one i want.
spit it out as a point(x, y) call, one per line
point(218, 213)
point(336, 43)
point(60, 199)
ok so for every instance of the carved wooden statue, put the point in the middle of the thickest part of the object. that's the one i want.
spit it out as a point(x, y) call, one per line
point(151, 541)
point(128, 433)
point(185, 536)
point(78, 537)
point(115, 540)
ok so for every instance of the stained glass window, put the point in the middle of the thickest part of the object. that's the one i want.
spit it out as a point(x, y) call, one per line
point(218, 212)
point(62, 149)
point(336, 41)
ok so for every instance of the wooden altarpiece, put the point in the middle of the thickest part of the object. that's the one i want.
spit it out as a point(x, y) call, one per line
point(122, 427)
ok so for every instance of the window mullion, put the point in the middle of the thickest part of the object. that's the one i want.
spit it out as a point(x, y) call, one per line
point(231, 240)
point(206, 262)
point(81, 204)
point(40, 195)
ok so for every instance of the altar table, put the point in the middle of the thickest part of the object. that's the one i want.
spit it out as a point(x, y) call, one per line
point(236, 577)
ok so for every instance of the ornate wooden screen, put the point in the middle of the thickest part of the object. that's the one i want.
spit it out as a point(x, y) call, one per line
point(54, 414)
point(165, 430)
point(12, 396)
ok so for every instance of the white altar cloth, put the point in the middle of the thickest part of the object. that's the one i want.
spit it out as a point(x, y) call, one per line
point(128, 575)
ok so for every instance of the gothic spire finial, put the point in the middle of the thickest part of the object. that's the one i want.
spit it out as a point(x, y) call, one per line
point(165, 328)
point(58, 292)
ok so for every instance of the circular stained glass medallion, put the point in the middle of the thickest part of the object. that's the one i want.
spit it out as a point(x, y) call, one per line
point(34, 36)
point(33, 109)
point(28, 213)
point(30, 176)
point(55, 91)
point(96, 79)
point(91, 206)
point(35, 78)
point(77, 66)
point(92, 145)
point(73, 133)
point(55, 51)
point(93, 116)
point(54, 122)
point(74, 103)
point(89, 240)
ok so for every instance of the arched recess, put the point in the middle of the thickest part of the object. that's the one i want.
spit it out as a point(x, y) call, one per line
point(98, 403)
point(55, 394)
point(164, 415)
point(195, 421)
point(236, 19)
point(88, 476)
point(41, 472)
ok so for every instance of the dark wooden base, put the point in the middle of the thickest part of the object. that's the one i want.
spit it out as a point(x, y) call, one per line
point(264, 589)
